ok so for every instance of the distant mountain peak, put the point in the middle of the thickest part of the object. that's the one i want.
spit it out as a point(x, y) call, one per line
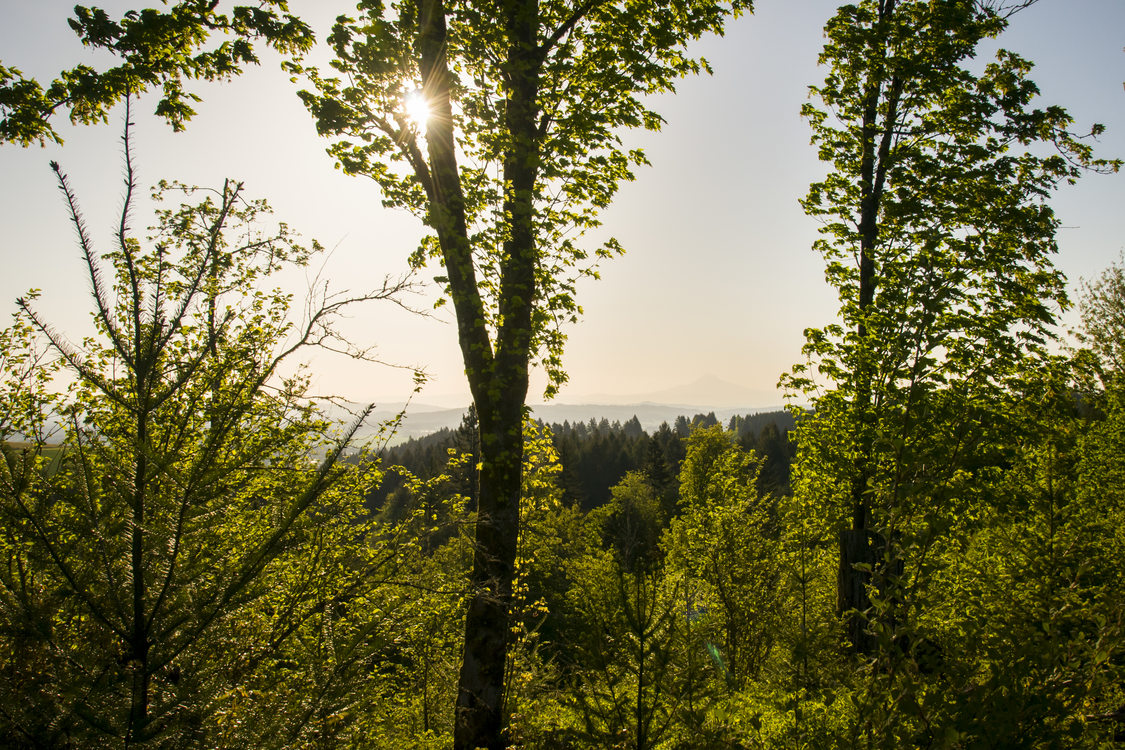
point(708, 391)
point(711, 391)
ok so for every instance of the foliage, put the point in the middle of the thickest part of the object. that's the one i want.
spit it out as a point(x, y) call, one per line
point(941, 451)
point(728, 545)
point(1103, 317)
point(549, 85)
point(156, 49)
point(521, 150)
point(938, 240)
point(632, 645)
point(181, 571)
point(632, 523)
point(187, 543)
point(596, 455)
point(551, 541)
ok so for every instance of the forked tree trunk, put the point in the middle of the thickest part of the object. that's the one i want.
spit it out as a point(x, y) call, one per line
point(497, 374)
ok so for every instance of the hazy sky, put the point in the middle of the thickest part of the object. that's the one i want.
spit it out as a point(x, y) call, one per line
point(718, 278)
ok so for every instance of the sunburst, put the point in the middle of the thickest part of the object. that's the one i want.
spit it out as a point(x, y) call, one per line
point(417, 110)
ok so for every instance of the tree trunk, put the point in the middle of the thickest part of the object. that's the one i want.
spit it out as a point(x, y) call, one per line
point(499, 392)
point(851, 588)
point(881, 100)
point(480, 719)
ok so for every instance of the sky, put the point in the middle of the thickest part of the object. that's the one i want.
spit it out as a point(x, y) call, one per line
point(719, 279)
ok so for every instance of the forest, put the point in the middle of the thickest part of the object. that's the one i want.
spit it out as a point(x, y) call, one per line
point(926, 551)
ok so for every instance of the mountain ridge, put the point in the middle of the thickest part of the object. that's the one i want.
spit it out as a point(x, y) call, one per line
point(650, 415)
point(708, 393)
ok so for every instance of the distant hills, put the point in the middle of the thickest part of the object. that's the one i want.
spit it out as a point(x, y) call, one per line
point(709, 391)
point(708, 394)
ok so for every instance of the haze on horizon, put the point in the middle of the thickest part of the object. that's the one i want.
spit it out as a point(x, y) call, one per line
point(719, 279)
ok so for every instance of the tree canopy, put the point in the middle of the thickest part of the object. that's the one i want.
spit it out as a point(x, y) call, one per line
point(180, 567)
point(157, 49)
point(939, 241)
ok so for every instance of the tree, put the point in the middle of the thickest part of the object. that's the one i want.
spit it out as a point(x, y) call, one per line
point(183, 533)
point(775, 448)
point(1040, 608)
point(682, 427)
point(938, 239)
point(467, 442)
point(539, 97)
point(520, 150)
point(659, 474)
point(632, 428)
point(1103, 318)
point(727, 546)
point(632, 643)
point(156, 49)
point(632, 523)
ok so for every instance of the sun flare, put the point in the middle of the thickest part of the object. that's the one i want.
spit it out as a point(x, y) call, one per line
point(417, 110)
